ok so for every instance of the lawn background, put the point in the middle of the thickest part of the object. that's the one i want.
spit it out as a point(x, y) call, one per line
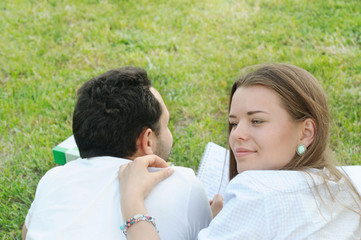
point(193, 50)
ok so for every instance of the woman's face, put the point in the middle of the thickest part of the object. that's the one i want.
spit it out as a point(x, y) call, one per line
point(263, 134)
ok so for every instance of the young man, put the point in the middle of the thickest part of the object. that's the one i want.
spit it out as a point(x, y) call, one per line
point(118, 117)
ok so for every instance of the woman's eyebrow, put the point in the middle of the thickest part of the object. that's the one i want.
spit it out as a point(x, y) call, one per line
point(249, 113)
point(254, 112)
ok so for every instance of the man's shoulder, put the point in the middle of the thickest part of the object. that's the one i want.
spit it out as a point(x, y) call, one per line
point(53, 172)
point(187, 176)
point(183, 189)
point(184, 172)
point(183, 179)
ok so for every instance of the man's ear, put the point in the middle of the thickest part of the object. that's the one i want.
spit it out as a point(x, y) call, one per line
point(146, 142)
point(308, 131)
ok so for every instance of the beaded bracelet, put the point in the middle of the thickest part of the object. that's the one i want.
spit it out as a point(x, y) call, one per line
point(135, 219)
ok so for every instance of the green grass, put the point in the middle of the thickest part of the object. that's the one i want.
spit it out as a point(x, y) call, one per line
point(193, 50)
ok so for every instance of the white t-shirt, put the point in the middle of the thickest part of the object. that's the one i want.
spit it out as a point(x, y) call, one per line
point(282, 205)
point(81, 200)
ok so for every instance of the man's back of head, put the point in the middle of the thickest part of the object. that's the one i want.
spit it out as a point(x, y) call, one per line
point(111, 112)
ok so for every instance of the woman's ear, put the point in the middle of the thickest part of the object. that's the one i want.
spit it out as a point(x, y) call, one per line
point(308, 131)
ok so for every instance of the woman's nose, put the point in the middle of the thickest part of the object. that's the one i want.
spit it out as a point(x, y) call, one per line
point(240, 131)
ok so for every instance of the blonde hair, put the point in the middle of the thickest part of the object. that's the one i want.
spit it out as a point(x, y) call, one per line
point(303, 97)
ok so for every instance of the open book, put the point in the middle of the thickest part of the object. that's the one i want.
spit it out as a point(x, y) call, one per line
point(213, 169)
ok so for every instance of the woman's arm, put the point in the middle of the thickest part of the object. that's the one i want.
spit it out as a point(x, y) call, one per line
point(136, 182)
point(25, 231)
point(216, 204)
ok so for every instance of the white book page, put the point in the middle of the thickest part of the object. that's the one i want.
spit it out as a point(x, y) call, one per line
point(68, 143)
point(213, 170)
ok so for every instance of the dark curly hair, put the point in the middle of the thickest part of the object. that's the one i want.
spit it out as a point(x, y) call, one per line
point(111, 112)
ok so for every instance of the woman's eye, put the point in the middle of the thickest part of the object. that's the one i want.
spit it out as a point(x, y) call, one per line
point(232, 125)
point(256, 121)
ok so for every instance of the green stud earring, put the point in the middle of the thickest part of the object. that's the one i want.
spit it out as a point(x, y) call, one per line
point(301, 149)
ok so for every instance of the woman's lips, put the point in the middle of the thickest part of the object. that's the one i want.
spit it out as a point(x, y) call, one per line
point(242, 152)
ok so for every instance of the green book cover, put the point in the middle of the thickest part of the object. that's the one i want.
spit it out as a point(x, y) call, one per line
point(66, 151)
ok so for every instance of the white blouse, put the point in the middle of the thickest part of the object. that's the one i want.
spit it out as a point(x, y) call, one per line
point(284, 205)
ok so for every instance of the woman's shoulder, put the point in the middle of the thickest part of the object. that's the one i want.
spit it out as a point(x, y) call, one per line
point(269, 181)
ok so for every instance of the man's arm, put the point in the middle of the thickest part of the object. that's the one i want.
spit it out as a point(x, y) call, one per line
point(25, 231)
point(199, 213)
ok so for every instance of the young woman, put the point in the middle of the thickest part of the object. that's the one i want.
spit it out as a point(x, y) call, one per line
point(283, 185)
